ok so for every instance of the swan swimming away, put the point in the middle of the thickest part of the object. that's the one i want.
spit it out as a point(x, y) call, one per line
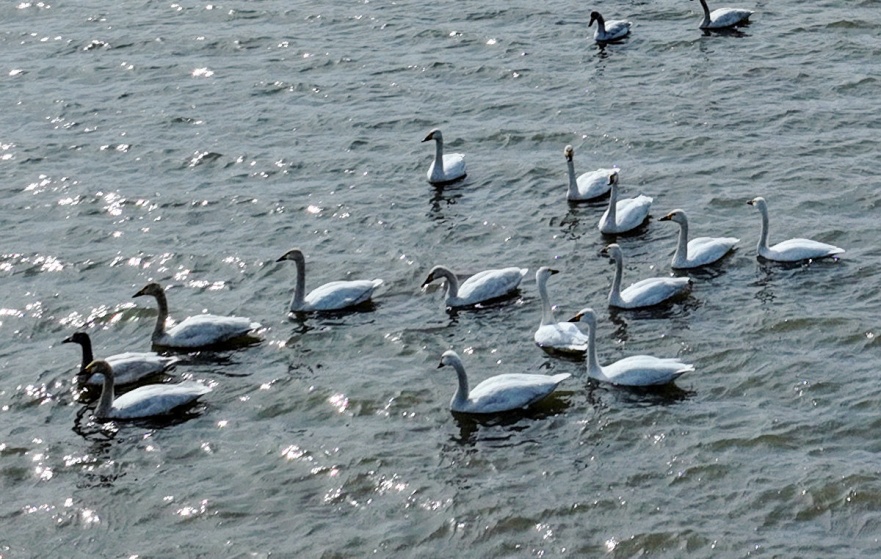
point(482, 286)
point(608, 30)
point(645, 293)
point(145, 401)
point(588, 185)
point(700, 251)
point(128, 368)
point(623, 215)
point(500, 393)
point(791, 250)
point(638, 370)
point(444, 168)
point(723, 17)
point(331, 296)
point(553, 335)
point(195, 331)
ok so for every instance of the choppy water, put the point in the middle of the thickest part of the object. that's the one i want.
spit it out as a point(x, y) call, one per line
point(193, 144)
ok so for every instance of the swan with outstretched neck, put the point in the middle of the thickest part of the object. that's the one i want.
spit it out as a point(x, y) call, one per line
point(501, 393)
point(623, 215)
point(195, 331)
point(700, 251)
point(722, 18)
point(645, 293)
point(553, 335)
point(792, 250)
point(587, 186)
point(146, 401)
point(611, 30)
point(445, 167)
point(638, 370)
point(332, 296)
point(481, 287)
point(128, 368)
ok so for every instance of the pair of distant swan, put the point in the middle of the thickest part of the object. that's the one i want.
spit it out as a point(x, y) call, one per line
point(721, 18)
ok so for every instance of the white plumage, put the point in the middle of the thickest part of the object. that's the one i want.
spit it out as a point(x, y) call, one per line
point(791, 250)
point(723, 17)
point(623, 215)
point(196, 331)
point(500, 393)
point(444, 168)
point(128, 368)
point(588, 185)
point(553, 335)
point(146, 401)
point(331, 296)
point(700, 251)
point(638, 370)
point(645, 293)
point(611, 30)
point(481, 287)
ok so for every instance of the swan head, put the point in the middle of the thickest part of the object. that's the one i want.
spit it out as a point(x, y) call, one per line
point(614, 251)
point(758, 202)
point(98, 367)
point(294, 254)
point(434, 135)
point(595, 16)
point(585, 315)
point(77, 338)
point(432, 275)
point(676, 215)
point(569, 152)
point(448, 358)
point(613, 178)
point(544, 273)
point(153, 289)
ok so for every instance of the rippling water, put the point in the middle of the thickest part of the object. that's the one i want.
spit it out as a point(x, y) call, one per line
point(193, 144)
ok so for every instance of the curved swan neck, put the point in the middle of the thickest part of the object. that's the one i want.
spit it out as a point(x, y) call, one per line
point(462, 392)
point(706, 13)
point(452, 282)
point(159, 330)
point(682, 246)
point(105, 403)
point(573, 184)
point(601, 24)
point(547, 313)
point(763, 238)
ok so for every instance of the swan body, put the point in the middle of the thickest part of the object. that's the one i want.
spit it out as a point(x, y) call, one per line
point(331, 296)
point(638, 370)
point(444, 168)
point(700, 251)
point(723, 17)
point(500, 393)
point(557, 336)
point(588, 185)
point(146, 401)
point(645, 293)
point(128, 368)
point(482, 286)
point(623, 215)
point(792, 250)
point(608, 30)
point(195, 331)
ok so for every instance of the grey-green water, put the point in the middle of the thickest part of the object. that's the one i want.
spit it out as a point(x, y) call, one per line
point(193, 144)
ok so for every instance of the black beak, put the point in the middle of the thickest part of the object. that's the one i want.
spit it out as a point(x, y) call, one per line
point(576, 318)
point(665, 218)
point(552, 272)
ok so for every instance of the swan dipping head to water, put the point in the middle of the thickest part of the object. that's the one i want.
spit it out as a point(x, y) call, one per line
point(500, 393)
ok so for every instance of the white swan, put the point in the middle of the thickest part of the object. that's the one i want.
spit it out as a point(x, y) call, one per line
point(444, 168)
point(638, 370)
point(146, 401)
point(608, 30)
point(557, 336)
point(624, 215)
point(723, 17)
point(195, 331)
point(700, 251)
point(330, 296)
point(791, 250)
point(128, 368)
point(482, 286)
point(645, 293)
point(588, 185)
point(500, 393)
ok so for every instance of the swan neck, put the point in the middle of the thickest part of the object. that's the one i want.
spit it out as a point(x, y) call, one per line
point(682, 246)
point(615, 293)
point(613, 204)
point(763, 238)
point(159, 330)
point(452, 282)
point(593, 364)
point(706, 13)
point(105, 403)
point(573, 184)
point(547, 313)
point(462, 392)
point(601, 24)
point(87, 354)
point(300, 287)
point(438, 153)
